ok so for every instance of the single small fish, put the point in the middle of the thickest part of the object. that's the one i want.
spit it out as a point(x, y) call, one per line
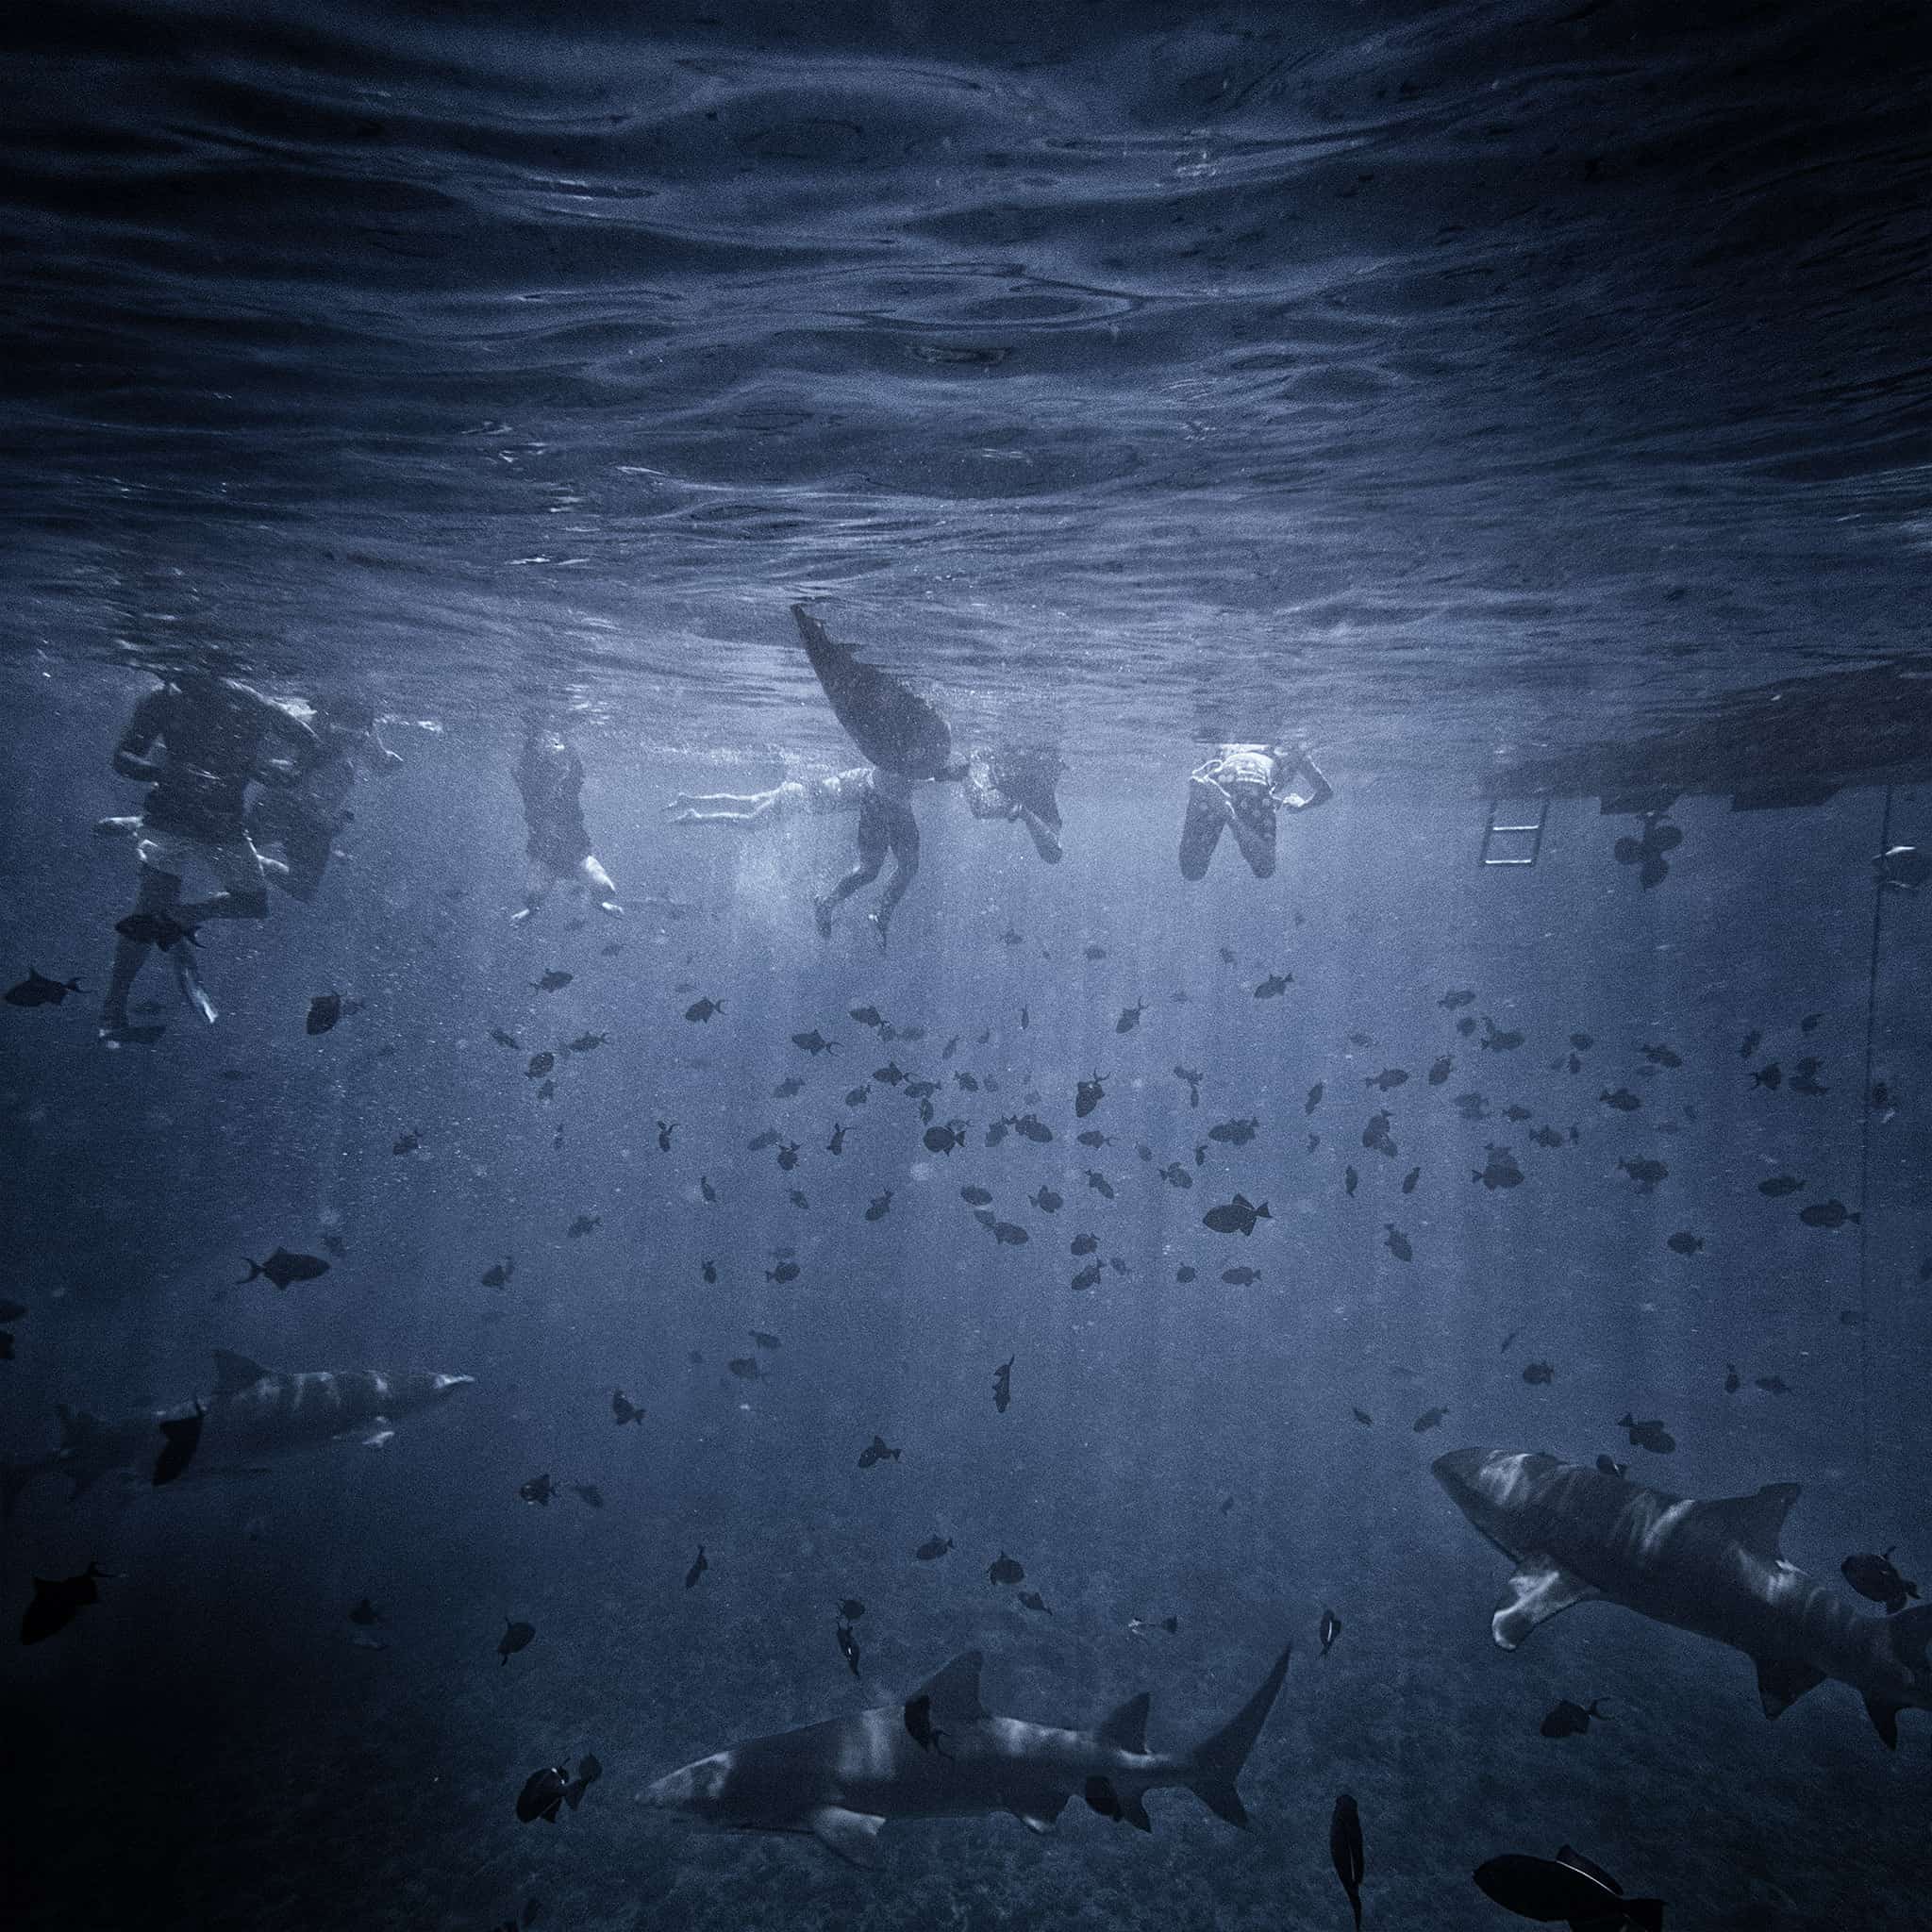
point(1129, 1018)
point(867, 1016)
point(539, 1064)
point(586, 1043)
point(701, 1010)
point(515, 1637)
point(1240, 1277)
point(1088, 1277)
point(1314, 1099)
point(406, 1142)
point(697, 1569)
point(1363, 1417)
point(879, 1207)
point(1409, 1180)
point(583, 1224)
point(1100, 1184)
point(1453, 1001)
point(1088, 1095)
point(1441, 1068)
point(1329, 1630)
point(1350, 1181)
point(364, 1612)
point(1826, 1214)
point(56, 1601)
point(624, 1410)
point(745, 1367)
point(325, 1010)
point(933, 1548)
point(788, 1271)
point(283, 1268)
point(877, 1451)
point(1876, 1577)
point(1238, 1216)
point(1006, 1569)
point(1083, 1243)
point(1769, 1077)
point(1003, 1385)
point(1046, 1200)
point(1622, 1100)
point(1429, 1419)
point(1497, 1040)
point(1396, 1242)
point(1234, 1133)
point(1143, 1627)
point(538, 1489)
point(1684, 1243)
point(508, 1040)
point(851, 1609)
point(1569, 1719)
point(1389, 1079)
point(814, 1043)
point(1274, 986)
point(1538, 1374)
point(1649, 1435)
point(553, 981)
point(976, 1196)
point(1032, 1600)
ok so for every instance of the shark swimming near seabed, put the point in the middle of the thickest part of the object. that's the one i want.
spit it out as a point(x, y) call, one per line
point(1716, 1569)
point(941, 1754)
point(253, 1414)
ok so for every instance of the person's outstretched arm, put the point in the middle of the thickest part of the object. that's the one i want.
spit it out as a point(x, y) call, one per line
point(130, 755)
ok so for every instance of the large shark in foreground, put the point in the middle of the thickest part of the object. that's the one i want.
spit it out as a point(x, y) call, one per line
point(941, 1754)
point(1715, 1568)
point(252, 1414)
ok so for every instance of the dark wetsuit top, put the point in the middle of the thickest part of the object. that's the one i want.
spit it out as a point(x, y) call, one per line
point(550, 775)
point(214, 747)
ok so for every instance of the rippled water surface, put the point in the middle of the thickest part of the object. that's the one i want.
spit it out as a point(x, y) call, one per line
point(1446, 379)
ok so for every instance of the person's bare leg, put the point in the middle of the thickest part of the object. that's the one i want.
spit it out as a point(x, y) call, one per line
point(537, 884)
point(905, 847)
point(1209, 815)
point(160, 892)
point(602, 886)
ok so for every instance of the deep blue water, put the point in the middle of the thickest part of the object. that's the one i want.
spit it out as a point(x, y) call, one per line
point(1442, 386)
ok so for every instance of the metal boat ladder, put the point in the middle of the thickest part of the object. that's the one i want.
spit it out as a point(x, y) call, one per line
point(1513, 832)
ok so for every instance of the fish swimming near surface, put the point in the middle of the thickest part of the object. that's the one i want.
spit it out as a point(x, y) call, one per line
point(253, 1414)
point(1567, 1888)
point(1714, 1568)
point(700, 1011)
point(1238, 1216)
point(1274, 986)
point(941, 1753)
point(37, 990)
point(1345, 1851)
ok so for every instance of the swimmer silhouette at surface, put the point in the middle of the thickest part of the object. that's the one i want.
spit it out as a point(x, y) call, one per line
point(303, 816)
point(549, 777)
point(197, 743)
point(1241, 789)
point(907, 740)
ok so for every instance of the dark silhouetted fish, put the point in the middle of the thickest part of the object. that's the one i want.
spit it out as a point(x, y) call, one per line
point(1497, 1040)
point(1608, 1465)
point(1234, 1133)
point(848, 1647)
point(879, 1207)
point(1238, 1216)
point(945, 1137)
point(1567, 1886)
point(867, 1016)
point(698, 1566)
point(1006, 1569)
point(553, 981)
point(1396, 1241)
point(1429, 1419)
point(508, 1040)
point(1538, 1374)
point(1441, 1068)
point(1100, 1184)
point(1345, 1851)
point(1085, 1243)
point(583, 1224)
point(1770, 1075)
point(1684, 1243)
point(282, 1268)
point(542, 1795)
point(1240, 1277)
point(1571, 1720)
point(1046, 1200)
point(1500, 1170)
point(1003, 1385)
point(1454, 1002)
point(701, 1010)
point(156, 929)
point(1088, 1095)
point(1875, 1576)
point(933, 1548)
point(56, 1601)
point(325, 1010)
point(1088, 1277)
point(1825, 1215)
point(1314, 1099)
point(788, 1271)
point(1329, 1629)
point(1622, 1100)
point(976, 1196)
point(1649, 1435)
point(515, 1637)
point(1129, 1018)
point(814, 1043)
point(538, 1489)
point(877, 1451)
point(1274, 986)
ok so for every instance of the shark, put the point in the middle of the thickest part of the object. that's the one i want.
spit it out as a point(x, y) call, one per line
point(941, 1754)
point(254, 1413)
point(1576, 1534)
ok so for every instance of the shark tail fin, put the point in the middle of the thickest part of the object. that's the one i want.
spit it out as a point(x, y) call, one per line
point(1218, 1759)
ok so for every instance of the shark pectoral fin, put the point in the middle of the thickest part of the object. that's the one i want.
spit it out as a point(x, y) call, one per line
point(1758, 1521)
point(1126, 1730)
point(955, 1690)
point(1781, 1681)
point(1884, 1721)
point(854, 1835)
point(1539, 1589)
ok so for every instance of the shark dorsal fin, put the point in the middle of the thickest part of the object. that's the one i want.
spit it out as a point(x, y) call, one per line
point(955, 1690)
point(1125, 1727)
point(1781, 1681)
point(1758, 1520)
point(234, 1372)
point(1539, 1589)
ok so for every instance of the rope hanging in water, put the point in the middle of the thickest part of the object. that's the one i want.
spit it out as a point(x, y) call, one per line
point(1865, 1173)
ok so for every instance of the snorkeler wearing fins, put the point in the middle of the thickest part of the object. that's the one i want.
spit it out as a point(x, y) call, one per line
point(549, 777)
point(1241, 789)
point(303, 816)
point(905, 739)
point(215, 737)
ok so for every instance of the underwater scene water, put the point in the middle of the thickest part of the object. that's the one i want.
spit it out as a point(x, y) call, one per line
point(928, 935)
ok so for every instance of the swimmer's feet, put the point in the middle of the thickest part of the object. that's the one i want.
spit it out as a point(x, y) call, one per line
point(611, 907)
point(821, 917)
